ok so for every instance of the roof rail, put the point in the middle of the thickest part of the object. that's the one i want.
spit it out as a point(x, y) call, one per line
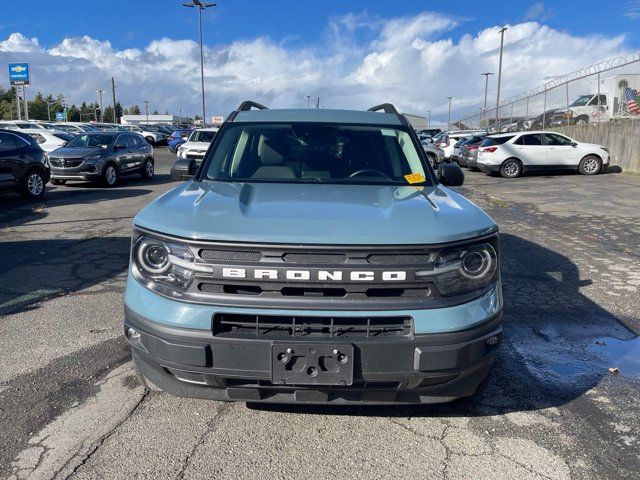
point(248, 105)
point(385, 107)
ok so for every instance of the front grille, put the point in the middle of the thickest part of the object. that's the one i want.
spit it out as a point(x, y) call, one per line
point(230, 255)
point(65, 163)
point(277, 326)
point(348, 292)
point(404, 259)
point(314, 258)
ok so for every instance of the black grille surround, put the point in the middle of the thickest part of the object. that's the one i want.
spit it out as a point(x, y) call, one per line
point(65, 162)
point(314, 294)
point(285, 326)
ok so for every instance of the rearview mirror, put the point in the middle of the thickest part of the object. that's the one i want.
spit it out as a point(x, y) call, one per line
point(450, 174)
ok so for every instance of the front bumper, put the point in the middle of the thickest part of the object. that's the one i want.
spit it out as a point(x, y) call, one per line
point(82, 172)
point(420, 368)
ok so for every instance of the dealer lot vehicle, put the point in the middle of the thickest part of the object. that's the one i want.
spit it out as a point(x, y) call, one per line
point(449, 139)
point(433, 152)
point(511, 155)
point(315, 257)
point(102, 157)
point(151, 136)
point(49, 140)
point(191, 153)
point(177, 138)
point(23, 165)
point(468, 156)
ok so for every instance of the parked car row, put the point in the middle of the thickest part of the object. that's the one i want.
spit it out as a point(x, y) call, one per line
point(513, 154)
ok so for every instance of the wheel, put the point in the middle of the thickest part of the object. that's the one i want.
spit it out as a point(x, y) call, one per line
point(110, 175)
point(58, 182)
point(147, 169)
point(149, 140)
point(33, 185)
point(590, 165)
point(511, 168)
point(432, 160)
point(583, 120)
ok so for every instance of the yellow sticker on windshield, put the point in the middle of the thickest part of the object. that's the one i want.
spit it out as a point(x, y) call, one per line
point(414, 178)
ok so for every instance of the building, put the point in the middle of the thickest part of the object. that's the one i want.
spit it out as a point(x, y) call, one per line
point(416, 121)
point(153, 119)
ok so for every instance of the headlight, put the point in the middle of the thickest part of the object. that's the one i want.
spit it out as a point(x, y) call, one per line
point(91, 158)
point(162, 265)
point(463, 269)
point(182, 152)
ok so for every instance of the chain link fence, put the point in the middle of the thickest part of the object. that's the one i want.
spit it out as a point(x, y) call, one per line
point(603, 92)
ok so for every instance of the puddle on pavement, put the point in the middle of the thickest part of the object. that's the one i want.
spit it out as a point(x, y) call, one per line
point(621, 354)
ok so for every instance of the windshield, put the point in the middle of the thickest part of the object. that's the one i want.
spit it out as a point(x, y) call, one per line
point(93, 140)
point(316, 153)
point(581, 101)
point(202, 136)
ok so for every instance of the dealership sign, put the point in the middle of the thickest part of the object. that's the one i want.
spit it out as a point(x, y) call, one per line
point(19, 74)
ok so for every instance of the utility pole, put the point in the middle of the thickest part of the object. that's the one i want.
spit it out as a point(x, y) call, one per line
point(308, 97)
point(449, 118)
point(318, 103)
point(113, 98)
point(501, 32)
point(428, 118)
point(146, 109)
point(486, 86)
point(201, 6)
point(180, 115)
point(100, 92)
point(26, 103)
point(18, 105)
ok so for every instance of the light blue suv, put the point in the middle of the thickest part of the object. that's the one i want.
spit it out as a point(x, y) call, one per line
point(315, 257)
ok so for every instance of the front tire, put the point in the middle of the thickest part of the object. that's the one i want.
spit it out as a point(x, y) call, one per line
point(582, 120)
point(511, 168)
point(58, 182)
point(149, 140)
point(590, 165)
point(33, 185)
point(147, 169)
point(110, 175)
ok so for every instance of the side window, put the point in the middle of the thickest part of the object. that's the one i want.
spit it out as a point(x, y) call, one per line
point(134, 140)
point(532, 140)
point(38, 138)
point(519, 140)
point(556, 140)
point(121, 140)
point(7, 142)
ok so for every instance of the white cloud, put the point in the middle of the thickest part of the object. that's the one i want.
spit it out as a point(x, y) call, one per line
point(632, 9)
point(414, 62)
point(539, 12)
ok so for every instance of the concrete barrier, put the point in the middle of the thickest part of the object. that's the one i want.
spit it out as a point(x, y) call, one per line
point(622, 138)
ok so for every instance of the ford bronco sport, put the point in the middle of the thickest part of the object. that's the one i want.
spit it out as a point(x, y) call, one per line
point(315, 257)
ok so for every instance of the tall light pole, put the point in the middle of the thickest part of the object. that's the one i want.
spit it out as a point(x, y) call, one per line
point(486, 86)
point(428, 118)
point(308, 97)
point(146, 109)
point(100, 92)
point(180, 115)
point(501, 32)
point(201, 6)
point(449, 118)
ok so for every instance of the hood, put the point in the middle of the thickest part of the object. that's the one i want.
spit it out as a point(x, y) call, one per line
point(315, 214)
point(76, 152)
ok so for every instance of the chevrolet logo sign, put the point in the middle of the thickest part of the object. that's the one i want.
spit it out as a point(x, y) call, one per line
point(18, 69)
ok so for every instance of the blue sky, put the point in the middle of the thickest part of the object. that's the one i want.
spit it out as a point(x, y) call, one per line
point(350, 53)
point(129, 23)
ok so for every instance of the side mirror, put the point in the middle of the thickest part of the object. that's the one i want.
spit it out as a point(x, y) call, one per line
point(574, 144)
point(450, 174)
point(183, 169)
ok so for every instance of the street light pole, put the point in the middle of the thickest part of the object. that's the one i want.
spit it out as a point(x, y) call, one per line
point(146, 110)
point(308, 97)
point(449, 118)
point(501, 32)
point(486, 86)
point(201, 6)
point(100, 92)
point(428, 118)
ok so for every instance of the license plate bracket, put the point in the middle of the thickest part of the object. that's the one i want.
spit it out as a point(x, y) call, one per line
point(312, 364)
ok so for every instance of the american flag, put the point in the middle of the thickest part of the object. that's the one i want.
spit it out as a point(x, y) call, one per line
point(632, 101)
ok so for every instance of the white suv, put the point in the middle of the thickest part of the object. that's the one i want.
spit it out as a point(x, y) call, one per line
point(197, 144)
point(511, 154)
point(447, 140)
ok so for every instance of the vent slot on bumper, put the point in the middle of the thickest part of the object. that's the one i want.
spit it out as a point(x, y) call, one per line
point(279, 326)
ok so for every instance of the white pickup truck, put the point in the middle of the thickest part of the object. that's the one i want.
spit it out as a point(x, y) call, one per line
point(612, 102)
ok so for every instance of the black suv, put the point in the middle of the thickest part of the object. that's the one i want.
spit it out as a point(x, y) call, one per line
point(102, 156)
point(23, 165)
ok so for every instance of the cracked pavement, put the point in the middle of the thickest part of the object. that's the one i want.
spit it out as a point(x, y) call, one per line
point(71, 406)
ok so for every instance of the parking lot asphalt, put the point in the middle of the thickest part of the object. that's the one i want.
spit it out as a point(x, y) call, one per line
point(71, 407)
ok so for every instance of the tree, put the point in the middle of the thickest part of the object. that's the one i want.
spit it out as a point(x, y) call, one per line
point(73, 114)
point(134, 110)
point(108, 114)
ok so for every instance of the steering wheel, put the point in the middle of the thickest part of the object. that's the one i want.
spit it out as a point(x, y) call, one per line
point(368, 171)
